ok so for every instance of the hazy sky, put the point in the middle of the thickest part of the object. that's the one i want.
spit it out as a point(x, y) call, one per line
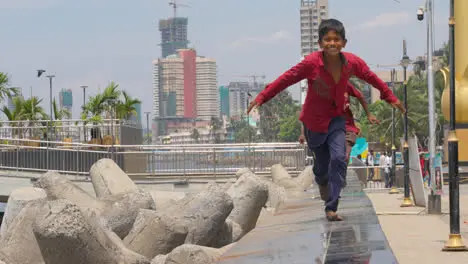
point(92, 42)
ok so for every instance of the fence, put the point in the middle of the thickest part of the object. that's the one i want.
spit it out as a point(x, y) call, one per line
point(150, 160)
point(123, 131)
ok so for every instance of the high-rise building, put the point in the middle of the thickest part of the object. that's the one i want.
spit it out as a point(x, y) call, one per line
point(136, 116)
point(66, 99)
point(169, 86)
point(207, 89)
point(174, 85)
point(239, 97)
point(312, 12)
point(224, 100)
point(184, 89)
point(173, 35)
point(188, 57)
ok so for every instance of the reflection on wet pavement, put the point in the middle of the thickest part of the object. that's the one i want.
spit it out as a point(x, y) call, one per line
point(299, 234)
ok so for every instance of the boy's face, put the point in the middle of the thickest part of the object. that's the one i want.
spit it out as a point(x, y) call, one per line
point(332, 43)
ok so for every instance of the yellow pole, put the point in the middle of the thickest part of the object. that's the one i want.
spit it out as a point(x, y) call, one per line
point(461, 67)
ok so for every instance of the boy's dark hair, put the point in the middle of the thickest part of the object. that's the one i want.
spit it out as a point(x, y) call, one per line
point(331, 24)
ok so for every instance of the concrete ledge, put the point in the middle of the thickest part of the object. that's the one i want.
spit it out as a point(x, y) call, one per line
point(299, 233)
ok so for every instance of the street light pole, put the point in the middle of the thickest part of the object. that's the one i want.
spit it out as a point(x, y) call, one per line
point(434, 201)
point(430, 84)
point(455, 242)
point(50, 86)
point(147, 126)
point(405, 61)
point(394, 190)
point(84, 87)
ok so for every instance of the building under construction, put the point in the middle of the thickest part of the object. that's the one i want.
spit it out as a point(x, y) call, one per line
point(173, 35)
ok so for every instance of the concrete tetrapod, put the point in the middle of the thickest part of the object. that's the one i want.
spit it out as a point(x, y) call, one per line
point(276, 193)
point(281, 177)
point(109, 179)
point(249, 194)
point(159, 259)
point(18, 243)
point(155, 233)
point(67, 234)
point(119, 211)
point(18, 199)
point(203, 213)
point(305, 178)
point(195, 254)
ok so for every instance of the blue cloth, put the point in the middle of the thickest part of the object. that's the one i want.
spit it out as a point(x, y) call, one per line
point(330, 159)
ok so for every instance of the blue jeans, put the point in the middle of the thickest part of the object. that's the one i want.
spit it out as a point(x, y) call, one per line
point(330, 159)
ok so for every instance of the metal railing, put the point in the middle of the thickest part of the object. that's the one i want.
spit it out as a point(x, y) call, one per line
point(143, 161)
point(73, 130)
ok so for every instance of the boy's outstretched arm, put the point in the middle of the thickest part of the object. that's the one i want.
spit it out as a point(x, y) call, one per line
point(362, 71)
point(290, 77)
point(352, 91)
point(372, 119)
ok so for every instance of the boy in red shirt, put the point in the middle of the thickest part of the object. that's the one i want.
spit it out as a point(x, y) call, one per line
point(328, 72)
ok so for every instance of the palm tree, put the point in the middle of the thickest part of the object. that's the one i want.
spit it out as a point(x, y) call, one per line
point(33, 111)
point(110, 96)
point(126, 108)
point(61, 113)
point(5, 90)
point(14, 115)
point(94, 108)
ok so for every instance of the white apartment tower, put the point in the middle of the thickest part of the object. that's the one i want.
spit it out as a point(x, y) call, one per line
point(312, 13)
point(207, 89)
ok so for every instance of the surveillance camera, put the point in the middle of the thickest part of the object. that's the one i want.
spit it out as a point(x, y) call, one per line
point(420, 14)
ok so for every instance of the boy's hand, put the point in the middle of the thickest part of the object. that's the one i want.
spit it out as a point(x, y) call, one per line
point(302, 139)
point(252, 106)
point(399, 106)
point(372, 119)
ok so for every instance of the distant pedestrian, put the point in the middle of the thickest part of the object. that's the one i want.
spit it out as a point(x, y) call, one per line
point(370, 163)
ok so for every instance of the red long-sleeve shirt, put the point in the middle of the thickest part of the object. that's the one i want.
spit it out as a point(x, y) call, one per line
point(348, 114)
point(325, 98)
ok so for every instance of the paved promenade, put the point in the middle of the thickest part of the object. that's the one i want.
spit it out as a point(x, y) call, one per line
point(416, 237)
point(298, 233)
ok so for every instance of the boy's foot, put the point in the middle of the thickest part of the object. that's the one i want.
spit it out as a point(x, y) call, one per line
point(323, 192)
point(333, 216)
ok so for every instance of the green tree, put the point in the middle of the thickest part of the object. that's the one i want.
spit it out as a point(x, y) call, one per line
point(277, 113)
point(5, 90)
point(215, 127)
point(126, 108)
point(195, 135)
point(243, 131)
point(290, 129)
point(60, 113)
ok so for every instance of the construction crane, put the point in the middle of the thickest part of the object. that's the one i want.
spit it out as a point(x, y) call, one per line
point(254, 78)
point(176, 5)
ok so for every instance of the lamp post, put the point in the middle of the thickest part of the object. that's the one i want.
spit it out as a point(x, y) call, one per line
point(39, 74)
point(455, 241)
point(147, 126)
point(405, 61)
point(84, 87)
point(434, 201)
point(394, 190)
